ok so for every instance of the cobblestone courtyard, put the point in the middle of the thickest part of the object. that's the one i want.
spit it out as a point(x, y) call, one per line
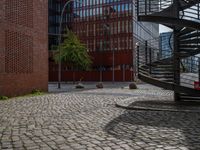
point(89, 120)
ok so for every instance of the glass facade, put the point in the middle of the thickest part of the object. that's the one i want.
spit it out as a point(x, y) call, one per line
point(101, 24)
point(105, 27)
point(111, 25)
point(166, 44)
point(55, 8)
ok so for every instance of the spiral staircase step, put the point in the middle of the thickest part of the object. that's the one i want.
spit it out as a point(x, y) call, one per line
point(164, 72)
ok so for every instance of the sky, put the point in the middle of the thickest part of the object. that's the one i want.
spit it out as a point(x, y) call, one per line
point(164, 29)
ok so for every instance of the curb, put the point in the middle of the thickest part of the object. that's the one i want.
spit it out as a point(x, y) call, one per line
point(137, 108)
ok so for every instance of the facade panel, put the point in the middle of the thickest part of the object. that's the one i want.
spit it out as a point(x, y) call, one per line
point(55, 8)
point(23, 46)
point(166, 44)
point(109, 29)
point(105, 26)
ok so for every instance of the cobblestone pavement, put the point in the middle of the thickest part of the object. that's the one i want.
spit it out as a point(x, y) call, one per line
point(89, 120)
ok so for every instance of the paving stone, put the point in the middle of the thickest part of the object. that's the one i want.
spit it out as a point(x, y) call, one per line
point(107, 148)
point(88, 119)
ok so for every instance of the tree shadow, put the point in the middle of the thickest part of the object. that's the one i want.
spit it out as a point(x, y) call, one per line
point(163, 128)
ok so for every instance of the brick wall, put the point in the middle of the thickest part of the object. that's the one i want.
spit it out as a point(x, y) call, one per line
point(23, 46)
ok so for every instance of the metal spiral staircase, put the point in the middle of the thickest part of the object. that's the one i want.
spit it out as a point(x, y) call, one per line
point(170, 70)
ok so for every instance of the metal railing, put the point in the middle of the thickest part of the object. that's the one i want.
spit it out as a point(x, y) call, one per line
point(150, 58)
point(192, 13)
point(191, 64)
point(146, 7)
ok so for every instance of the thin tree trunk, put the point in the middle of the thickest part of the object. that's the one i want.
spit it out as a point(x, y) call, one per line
point(73, 75)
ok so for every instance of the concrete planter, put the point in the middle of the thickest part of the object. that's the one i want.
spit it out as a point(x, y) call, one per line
point(132, 86)
point(99, 85)
point(79, 86)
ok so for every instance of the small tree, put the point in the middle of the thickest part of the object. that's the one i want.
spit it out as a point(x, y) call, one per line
point(73, 52)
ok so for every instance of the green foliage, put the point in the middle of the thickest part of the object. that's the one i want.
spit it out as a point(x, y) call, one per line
point(36, 92)
point(33, 93)
point(73, 52)
point(53, 47)
point(3, 97)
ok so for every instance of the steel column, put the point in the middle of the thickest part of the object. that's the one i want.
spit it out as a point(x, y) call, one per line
point(150, 61)
point(145, 7)
point(138, 59)
point(138, 7)
point(199, 71)
point(146, 49)
point(176, 57)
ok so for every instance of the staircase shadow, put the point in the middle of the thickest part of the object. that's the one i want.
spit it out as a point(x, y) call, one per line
point(168, 105)
point(157, 128)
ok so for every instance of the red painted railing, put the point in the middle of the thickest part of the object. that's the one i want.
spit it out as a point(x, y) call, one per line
point(91, 76)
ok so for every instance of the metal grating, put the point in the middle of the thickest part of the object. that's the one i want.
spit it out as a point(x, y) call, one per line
point(2, 58)
point(20, 12)
point(18, 53)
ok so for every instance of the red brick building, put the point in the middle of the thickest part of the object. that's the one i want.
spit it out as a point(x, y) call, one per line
point(109, 29)
point(23, 46)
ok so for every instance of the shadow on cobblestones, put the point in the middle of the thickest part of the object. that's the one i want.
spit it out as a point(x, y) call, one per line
point(158, 129)
point(167, 105)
